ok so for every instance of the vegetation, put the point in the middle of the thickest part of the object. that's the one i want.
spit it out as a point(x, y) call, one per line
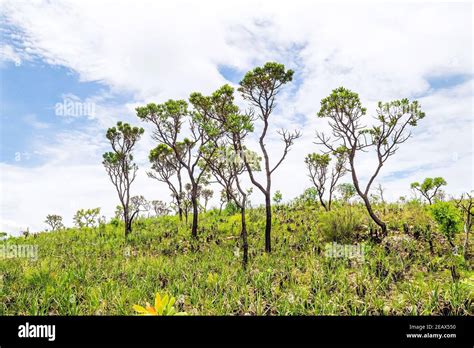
point(54, 221)
point(87, 217)
point(338, 248)
point(120, 166)
point(260, 88)
point(107, 274)
point(429, 188)
point(345, 113)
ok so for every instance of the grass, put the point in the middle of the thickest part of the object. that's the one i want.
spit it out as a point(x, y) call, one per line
point(95, 271)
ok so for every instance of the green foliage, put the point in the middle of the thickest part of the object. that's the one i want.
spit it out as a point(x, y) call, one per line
point(429, 188)
point(269, 77)
point(54, 221)
point(341, 225)
point(106, 275)
point(87, 217)
point(341, 99)
point(277, 197)
point(347, 191)
point(317, 160)
point(309, 196)
point(169, 114)
point(448, 218)
point(122, 138)
point(231, 208)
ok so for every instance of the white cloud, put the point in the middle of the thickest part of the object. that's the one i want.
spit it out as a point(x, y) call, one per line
point(159, 50)
point(8, 54)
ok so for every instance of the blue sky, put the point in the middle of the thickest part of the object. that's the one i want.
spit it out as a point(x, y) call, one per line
point(28, 96)
point(116, 57)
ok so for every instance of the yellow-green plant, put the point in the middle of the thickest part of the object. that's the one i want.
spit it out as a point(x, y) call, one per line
point(163, 306)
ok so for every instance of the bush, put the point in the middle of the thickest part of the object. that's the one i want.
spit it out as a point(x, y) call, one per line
point(448, 219)
point(231, 208)
point(341, 225)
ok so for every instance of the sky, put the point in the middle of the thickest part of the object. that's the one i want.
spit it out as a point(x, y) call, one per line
point(107, 57)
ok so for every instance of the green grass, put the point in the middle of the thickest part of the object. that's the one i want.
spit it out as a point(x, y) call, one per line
point(98, 272)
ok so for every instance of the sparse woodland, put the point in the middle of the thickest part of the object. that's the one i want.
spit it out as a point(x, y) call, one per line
point(238, 258)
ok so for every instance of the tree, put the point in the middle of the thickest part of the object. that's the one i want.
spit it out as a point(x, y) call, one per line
point(466, 205)
point(118, 212)
point(225, 156)
point(120, 166)
point(138, 204)
point(160, 208)
point(318, 167)
point(165, 165)
point(380, 191)
point(87, 217)
point(347, 191)
point(260, 87)
point(222, 200)
point(345, 112)
point(207, 195)
point(168, 119)
point(55, 221)
point(429, 188)
point(187, 199)
point(277, 197)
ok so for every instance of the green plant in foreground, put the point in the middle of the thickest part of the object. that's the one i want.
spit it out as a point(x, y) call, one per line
point(163, 306)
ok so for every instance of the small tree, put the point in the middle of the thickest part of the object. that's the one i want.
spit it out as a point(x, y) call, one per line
point(118, 212)
point(225, 156)
point(55, 221)
point(206, 195)
point(347, 191)
point(277, 197)
point(222, 200)
point(138, 204)
point(160, 208)
point(429, 188)
point(168, 119)
point(120, 166)
point(87, 217)
point(260, 87)
point(466, 205)
point(318, 167)
point(448, 219)
point(165, 165)
point(344, 111)
point(379, 189)
point(308, 197)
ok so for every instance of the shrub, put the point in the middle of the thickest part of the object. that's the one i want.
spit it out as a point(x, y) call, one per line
point(448, 219)
point(87, 217)
point(341, 225)
point(55, 221)
point(231, 208)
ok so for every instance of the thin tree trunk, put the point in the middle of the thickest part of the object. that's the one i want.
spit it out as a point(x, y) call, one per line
point(374, 217)
point(245, 245)
point(180, 213)
point(126, 221)
point(322, 203)
point(195, 216)
point(268, 224)
point(467, 228)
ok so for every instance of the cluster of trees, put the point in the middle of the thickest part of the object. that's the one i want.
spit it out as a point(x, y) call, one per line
point(214, 146)
point(203, 140)
point(350, 137)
